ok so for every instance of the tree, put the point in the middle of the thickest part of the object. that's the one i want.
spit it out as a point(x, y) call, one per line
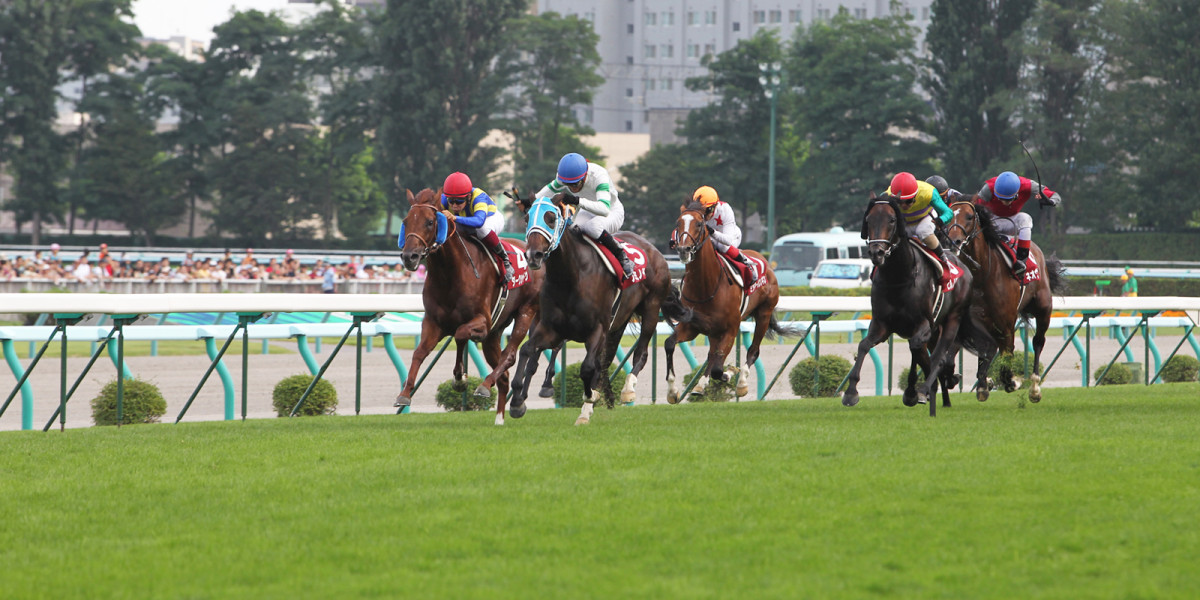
point(554, 62)
point(660, 181)
point(975, 69)
point(858, 112)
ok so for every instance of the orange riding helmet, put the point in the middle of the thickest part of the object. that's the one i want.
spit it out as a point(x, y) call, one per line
point(706, 196)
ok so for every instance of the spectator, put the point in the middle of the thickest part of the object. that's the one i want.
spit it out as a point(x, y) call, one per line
point(83, 269)
point(328, 280)
point(1129, 287)
point(189, 261)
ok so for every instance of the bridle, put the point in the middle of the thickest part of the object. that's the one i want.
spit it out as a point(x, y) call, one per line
point(968, 237)
point(888, 244)
point(697, 242)
point(428, 248)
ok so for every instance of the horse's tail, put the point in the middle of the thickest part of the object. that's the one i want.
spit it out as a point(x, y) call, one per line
point(775, 330)
point(673, 308)
point(1056, 274)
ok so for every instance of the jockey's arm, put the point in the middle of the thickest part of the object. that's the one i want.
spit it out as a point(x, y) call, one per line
point(474, 220)
point(945, 215)
point(1045, 195)
point(550, 189)
point(728, 231)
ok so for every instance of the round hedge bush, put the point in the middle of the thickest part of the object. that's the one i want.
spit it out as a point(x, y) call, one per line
point(715, 391)
point(1180, 368)
point(902, 380)
point(1118, 374)
point(575, 385)
point(141, 403)
point(833, 370)
point(322, 401)
point(452, 400)
point(1015, 363)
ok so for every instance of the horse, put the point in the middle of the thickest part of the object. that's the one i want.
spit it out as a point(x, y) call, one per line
point(718, 303)
point(583, 302)
point(462, 297)
point(906, 299)
point(999, 298)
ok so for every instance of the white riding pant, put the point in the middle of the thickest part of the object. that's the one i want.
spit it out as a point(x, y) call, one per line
point(735, 238)
point(593, 224)
point(1020, 225)
point(923, 229)
point(493, 223)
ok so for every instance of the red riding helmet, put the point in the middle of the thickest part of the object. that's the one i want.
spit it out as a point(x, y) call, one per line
point(457, 185)
point(904, 185)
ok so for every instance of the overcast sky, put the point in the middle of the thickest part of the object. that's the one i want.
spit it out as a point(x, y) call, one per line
point(196, 18)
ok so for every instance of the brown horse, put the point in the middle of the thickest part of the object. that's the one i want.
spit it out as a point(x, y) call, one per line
point(718, 302)
point(460, 295)
point(999, 299)
point(582, 302)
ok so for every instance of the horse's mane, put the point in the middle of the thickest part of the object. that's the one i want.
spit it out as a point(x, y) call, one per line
point(428, 196)
point(986, 227)
point(694, 205)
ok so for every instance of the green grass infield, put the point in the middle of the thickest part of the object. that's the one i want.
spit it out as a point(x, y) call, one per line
point(1093, 493)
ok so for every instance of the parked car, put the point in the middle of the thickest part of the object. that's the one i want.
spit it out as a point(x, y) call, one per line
point(842, 273)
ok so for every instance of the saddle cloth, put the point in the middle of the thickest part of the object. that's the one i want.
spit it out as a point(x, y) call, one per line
point(516, 258)
point(1033, 272)
point(635, 254)
point(937, 266)
point(738, 270)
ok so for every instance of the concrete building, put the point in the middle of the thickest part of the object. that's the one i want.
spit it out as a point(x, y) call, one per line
point(648, 48)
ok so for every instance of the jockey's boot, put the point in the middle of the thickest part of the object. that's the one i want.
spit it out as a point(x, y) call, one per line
point(948, 266)
point(610, 242)
point(1019, 262)
point(751, 268)
point(497, 248)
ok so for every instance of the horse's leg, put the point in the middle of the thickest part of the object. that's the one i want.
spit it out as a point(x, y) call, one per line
point(543, 337)
point(491, 352)
point(460, 364)
point(547, 390)
point(941, 352)
point(508, 357)
point(875, 333)
point(591, 368)
point(762, 322)
point(918, 347)
point(684, 332)
point(718, 352)
point(1039, 340)
point(641, 354)
point(431, 334)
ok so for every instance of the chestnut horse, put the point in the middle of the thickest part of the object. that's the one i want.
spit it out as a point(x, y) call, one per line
point(460, 294)
point(999, 298)
point(716, 300)
point(906, 300)
point(583, 302)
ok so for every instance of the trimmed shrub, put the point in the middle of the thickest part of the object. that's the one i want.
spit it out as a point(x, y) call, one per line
point(1015, 363)
point(322, 401)
point(1180, 368)
point(715, 391)
point(575, 385)
point(142, 403)
point(1118, 374)
point(902, 380)
point(452, 400)
point(833, 369)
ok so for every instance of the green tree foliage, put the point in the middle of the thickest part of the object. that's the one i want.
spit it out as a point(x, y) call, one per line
point(554, 62)
point(658, 183)
point(860, 114)
point(438, 88)
point(975, 70)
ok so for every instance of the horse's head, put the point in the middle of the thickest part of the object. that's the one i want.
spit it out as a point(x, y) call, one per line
point(690, 231)
point(425, 229)
point(883, 227)
point(545, 229)
point(965, 225)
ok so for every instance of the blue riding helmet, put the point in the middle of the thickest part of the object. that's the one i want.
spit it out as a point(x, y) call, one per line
point(572, 168)
point(1007, 185)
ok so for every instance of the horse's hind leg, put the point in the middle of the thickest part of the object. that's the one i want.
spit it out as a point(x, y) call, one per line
point(1039, 341)
point(547, 390)
point(491, 351)
point(541, 339)
point(460, 364)
point(762, 322)
point(641, 354)
point(684, 332)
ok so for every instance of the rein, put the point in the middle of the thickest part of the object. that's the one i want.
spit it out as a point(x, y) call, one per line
point(696, 247)
point(428, 248)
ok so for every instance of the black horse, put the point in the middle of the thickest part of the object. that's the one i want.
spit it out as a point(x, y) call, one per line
point(906, 299)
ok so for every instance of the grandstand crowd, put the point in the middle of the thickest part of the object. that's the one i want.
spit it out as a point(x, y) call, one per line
point(52, 264)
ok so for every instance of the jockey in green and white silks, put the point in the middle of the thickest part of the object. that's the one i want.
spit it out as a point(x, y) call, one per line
point(601, 213)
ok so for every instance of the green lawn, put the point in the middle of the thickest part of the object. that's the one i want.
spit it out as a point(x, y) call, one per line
point(1092, 493)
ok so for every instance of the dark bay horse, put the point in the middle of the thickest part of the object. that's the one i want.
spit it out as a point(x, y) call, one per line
point(1000, 299)
point(716, 300)
point(581, 301)
point(460, 294)
point(906, 299)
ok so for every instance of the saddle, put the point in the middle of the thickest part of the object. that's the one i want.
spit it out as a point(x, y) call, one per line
point(635, 254)
point(934, 260)
point(516, 258)
point(1033, 271)
point(738, 271)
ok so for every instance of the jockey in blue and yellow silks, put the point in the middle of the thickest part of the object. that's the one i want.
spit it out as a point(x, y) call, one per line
point(473, 210)
point(918, 201)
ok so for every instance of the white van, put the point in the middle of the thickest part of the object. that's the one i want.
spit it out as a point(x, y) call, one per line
point(842, 273)
point(795, 255)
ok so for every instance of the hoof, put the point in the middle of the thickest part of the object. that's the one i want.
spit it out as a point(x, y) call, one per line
point(402, 400)
point(582, 421)
point(849, 399)
point(546, 392)
point(672, 397)
point(982, 395)
point(516, 411)
point(910, 400)
point(499, 418)
point(1010, 386)
point(953, 381)
point(482, 392)
point(628, 397)
point(1035, 390)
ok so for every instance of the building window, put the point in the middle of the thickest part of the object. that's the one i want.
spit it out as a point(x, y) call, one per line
point(710, 17)
point(793, 16)
point(628, 125)
point(668, 84)
point(649, 84)
point(737, 26)
point(924, 13)
point(693, 50)
point(908, 11)
point(775, 16)
point(651, 18)
point(629, 60)
point(668, 18)
point(668, 51)
point(691, 18)
point(710, 48)
point(628, 92)
point(822, 14)
point(760, 16)
point(629, 28)
point(649, 50)
point(860, 13)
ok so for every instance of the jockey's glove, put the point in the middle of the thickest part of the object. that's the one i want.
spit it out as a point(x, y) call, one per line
point(1053, 200)
point(571, 199)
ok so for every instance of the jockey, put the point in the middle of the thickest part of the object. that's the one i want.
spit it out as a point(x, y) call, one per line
point(1004, 195)
point(479, 216)
point(726, 235)
point(949, 195)
point(601, 213)
point(918, 201)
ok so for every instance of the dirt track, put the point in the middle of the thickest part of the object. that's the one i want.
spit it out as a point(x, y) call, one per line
point(177, 377)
